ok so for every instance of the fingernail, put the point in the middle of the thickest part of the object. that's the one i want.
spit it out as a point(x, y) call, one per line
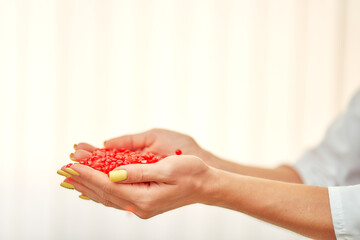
point(72, 171)
point(67, 185)
point(63, 173)
point(117, 175)
point(84, 197)
point(72, 157)
point(75, 145)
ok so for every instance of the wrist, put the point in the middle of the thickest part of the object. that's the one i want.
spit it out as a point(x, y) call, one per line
point(225, 189)
point(209, 158)
point(213, 187)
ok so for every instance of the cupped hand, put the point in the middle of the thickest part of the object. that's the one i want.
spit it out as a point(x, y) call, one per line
point(160, 141)
point(148, 189)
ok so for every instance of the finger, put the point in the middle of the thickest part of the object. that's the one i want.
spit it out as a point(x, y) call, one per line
point(133, 142)
point(99, 194)
point(80, 154)
point(84, 146)
point(94, 196)
point(101, 184)
point(83, 189)
point(140, 173)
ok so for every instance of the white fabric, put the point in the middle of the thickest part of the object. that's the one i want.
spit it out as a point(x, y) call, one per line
point(345, 211)
point(336, 162)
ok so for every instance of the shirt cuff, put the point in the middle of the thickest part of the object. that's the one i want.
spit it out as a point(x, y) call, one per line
point(345, 211)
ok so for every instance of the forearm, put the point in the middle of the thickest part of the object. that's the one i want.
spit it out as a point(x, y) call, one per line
point(281, 173)
point(300, 208)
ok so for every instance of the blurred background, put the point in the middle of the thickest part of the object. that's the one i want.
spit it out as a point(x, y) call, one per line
point(253, 81)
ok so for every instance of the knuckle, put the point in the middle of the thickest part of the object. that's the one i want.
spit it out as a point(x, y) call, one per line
point(141, 175)
point(146, 206)
point(105, 192)
point(101, 194)
point(169, 170)
point(144, 215)
point(107, 188)
point(107, 203)
point(88, 177)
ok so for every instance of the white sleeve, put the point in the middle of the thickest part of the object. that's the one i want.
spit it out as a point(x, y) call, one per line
point(336, 160)
point(345, 211)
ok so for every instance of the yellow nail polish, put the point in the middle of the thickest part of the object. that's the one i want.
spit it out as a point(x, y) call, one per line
point(84, 197)
point(75, 145)
point(67, 185)
point(72, 171)
point(63, 173)
point(72, 157)
point(118, 175)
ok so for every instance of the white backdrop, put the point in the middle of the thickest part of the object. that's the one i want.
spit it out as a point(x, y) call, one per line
point(254, 81)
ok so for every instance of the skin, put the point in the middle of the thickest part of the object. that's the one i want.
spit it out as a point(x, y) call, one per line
point(272, 195)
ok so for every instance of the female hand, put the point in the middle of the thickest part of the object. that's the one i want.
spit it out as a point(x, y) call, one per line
point(160, 141)
point(147, 189)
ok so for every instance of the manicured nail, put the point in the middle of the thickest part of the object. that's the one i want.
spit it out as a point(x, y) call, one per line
point(72, 157)
point(117, 175)
point(67, 185)
point(63, 173)
point(75, 145)
point(72, 171)
point(84, 197)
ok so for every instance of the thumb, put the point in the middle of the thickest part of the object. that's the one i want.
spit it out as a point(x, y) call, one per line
point(138, 173)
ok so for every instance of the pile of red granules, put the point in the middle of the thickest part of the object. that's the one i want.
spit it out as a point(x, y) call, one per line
point(106, 160)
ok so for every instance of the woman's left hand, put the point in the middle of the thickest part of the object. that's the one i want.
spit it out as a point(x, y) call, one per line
point(147, 189)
